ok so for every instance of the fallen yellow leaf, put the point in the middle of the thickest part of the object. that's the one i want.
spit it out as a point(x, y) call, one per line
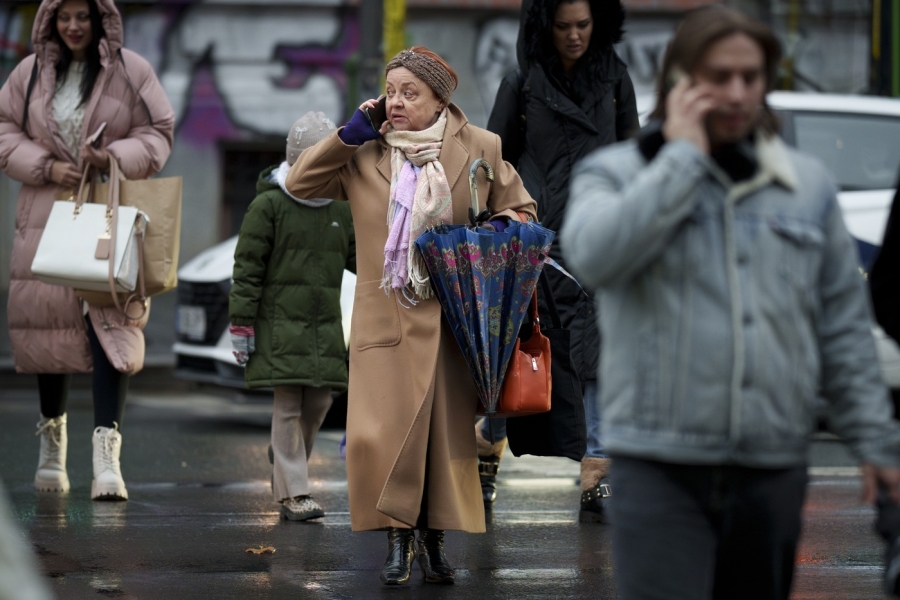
point(261, 550)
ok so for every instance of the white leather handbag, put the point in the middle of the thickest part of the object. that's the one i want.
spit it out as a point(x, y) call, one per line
point(92, 246)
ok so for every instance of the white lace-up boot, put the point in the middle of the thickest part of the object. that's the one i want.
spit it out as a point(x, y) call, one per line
point(108, 483)
point(51, 473)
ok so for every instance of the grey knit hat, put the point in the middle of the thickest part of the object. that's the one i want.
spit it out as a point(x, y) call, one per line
point(309, 129)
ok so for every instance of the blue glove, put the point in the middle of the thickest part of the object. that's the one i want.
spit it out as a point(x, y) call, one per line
point(358, 131)
point(499, 225)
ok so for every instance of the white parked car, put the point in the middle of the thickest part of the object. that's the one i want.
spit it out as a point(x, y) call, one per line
point(203, 346)
point(858, 139)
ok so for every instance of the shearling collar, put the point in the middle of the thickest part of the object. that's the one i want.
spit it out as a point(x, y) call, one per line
point(761, 153)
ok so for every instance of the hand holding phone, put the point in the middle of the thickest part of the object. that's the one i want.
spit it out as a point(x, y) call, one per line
point(94, 140)
point(92, 153)
point(687, 105)
point(377, 114)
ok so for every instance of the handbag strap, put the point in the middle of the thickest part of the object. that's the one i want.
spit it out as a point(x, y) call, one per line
point(535, 317)
point(112, 216)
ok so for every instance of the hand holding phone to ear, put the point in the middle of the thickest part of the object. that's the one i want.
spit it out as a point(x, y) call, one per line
point(686, 108)
point(377, 114)
point(359, 129)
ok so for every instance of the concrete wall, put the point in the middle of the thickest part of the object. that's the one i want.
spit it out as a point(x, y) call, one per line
point(244, 71)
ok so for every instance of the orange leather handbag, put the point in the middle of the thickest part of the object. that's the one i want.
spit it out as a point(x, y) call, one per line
point(527, 387)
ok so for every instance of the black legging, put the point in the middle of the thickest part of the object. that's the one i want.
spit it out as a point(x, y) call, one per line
point(110, 388)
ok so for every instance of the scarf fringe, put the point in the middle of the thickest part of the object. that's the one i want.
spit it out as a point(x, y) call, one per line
point(418, 287)
point(418, 275)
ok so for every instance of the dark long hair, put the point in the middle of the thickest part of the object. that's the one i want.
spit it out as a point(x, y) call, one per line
point(699, 30)
point(608, 17)
point(92, 54)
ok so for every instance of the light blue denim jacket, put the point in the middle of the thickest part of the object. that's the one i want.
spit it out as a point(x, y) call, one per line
point(728, 310)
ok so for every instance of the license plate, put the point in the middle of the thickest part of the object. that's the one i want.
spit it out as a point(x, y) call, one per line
point(190, 321)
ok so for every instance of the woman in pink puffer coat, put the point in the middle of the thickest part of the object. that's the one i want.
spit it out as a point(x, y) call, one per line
point(80, 77)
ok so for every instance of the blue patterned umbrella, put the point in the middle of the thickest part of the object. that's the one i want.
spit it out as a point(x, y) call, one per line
point(484, 281)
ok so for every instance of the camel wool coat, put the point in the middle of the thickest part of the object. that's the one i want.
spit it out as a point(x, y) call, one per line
point(46, 323)
point(411, 400)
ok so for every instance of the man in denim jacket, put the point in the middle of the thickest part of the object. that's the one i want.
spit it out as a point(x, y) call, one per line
point(731, 302)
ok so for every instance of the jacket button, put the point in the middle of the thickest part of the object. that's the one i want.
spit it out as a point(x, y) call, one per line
point(748, 319)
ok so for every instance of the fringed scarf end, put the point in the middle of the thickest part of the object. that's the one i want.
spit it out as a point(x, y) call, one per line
point(419, 280)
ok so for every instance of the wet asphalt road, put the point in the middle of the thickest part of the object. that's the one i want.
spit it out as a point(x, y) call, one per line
point(198, 476)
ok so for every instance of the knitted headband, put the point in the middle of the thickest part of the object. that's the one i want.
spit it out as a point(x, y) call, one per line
point(427, 69)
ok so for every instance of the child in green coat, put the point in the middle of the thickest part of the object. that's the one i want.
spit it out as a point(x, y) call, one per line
point(285, 312)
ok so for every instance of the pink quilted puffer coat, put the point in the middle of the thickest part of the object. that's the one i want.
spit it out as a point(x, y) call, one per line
point(46, 323)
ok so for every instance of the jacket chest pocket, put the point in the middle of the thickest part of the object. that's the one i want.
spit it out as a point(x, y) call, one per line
point(375, 321)
point(798, 245)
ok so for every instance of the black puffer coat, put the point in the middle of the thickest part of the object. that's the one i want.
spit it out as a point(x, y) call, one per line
point(548, 122)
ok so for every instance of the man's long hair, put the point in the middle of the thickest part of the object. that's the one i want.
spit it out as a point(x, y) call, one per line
point(699, 30)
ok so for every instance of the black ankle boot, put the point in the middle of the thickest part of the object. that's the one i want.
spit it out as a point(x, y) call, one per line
point(487, 473)
point(432, 558)
point(595, 503)
point(401, 553)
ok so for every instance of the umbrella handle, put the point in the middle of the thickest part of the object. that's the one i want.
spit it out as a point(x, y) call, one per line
point(478, 163)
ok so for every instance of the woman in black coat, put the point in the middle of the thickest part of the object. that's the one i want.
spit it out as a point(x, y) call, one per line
point(570, 96)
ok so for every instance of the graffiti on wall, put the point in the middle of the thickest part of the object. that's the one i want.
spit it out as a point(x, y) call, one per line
point(495, 56)
point(229, 71)
point(643, 52)
point(267, 67)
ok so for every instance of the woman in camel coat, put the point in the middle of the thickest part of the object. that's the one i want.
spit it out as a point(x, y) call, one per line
point(411, 460)
point(80, 78)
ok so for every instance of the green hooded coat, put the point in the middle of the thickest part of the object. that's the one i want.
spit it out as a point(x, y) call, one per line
point(288, 267)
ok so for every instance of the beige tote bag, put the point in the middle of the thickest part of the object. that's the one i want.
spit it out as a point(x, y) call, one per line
point(160, 199)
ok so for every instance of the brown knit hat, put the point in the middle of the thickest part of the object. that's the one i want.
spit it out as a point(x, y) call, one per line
point(309, 129)
point(438, 78)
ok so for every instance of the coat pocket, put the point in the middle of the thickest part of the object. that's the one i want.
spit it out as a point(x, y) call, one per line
point(376, 319)
point(800, 252)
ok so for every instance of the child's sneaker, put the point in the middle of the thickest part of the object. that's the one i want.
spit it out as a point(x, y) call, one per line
point(301, 508)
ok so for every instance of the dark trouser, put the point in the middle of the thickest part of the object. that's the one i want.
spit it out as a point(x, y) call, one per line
point(701, 532)
point(888, 520)
point(109, 388)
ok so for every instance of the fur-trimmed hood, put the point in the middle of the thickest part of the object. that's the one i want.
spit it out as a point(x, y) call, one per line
point(535, 42)
point(42, 36)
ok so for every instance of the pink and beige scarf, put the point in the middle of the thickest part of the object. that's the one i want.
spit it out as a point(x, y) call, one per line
point(420, 198)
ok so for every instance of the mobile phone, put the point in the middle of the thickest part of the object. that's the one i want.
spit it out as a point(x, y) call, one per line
point(377, 114)
point(676, 75)
point(95, 138)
